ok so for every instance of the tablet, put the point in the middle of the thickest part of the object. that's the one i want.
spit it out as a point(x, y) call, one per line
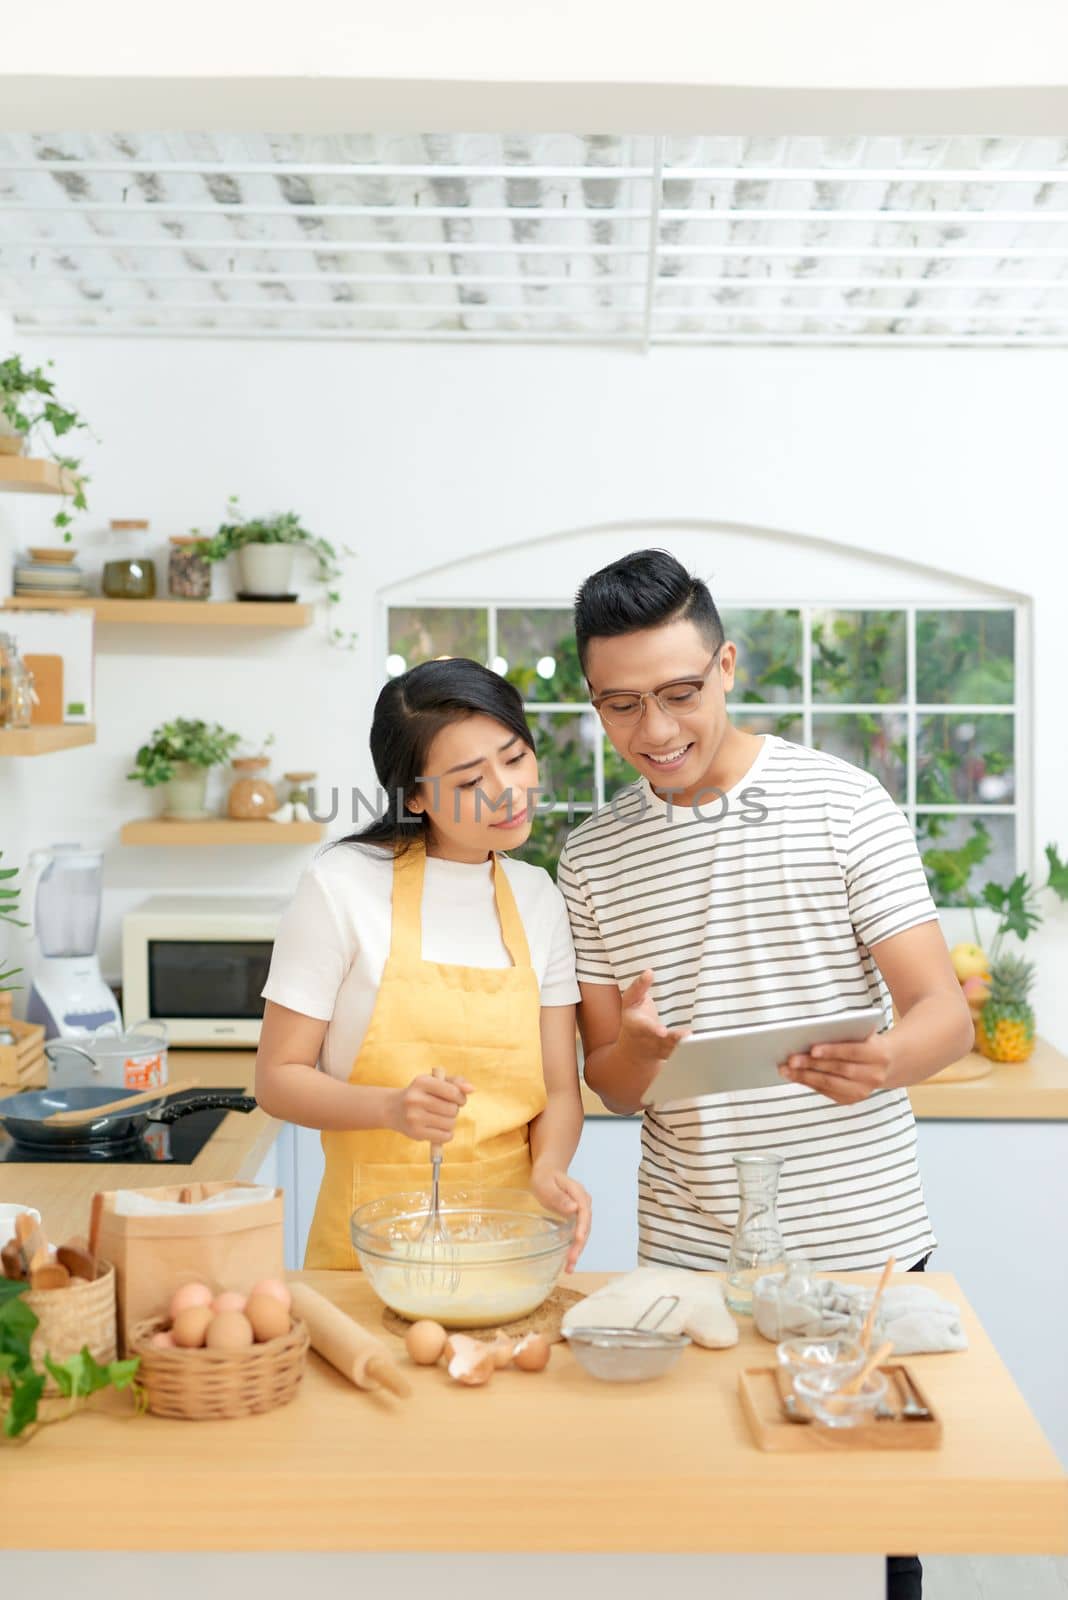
point(748, 1058)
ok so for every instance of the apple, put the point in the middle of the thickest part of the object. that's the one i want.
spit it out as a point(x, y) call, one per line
point(976, 990)
point(969, 961)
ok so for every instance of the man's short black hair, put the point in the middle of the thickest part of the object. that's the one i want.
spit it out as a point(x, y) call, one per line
point(643, 590)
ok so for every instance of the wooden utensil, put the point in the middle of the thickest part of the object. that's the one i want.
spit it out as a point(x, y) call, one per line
point(96, 1216)
point(869, 1320)
point(355, 1352)
point(50, 1276)
point(859, 1379)
point(11, 1261)
point(77, 1119)
point(32, 1244)
point(77, 1260)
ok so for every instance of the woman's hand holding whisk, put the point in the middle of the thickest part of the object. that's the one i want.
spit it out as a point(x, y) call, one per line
point(427, 1109)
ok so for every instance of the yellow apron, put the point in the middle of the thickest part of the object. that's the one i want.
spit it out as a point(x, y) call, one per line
point(478, 1023)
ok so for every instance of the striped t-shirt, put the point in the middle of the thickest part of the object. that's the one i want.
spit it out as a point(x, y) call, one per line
point(761, 910)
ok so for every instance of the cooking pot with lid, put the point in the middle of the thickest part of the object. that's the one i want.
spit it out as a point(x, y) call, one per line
point(110, 1058)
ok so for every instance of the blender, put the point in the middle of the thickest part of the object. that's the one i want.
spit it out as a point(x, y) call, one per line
point(62, 893)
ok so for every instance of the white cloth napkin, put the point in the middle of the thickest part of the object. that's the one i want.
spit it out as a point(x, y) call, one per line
point(917, 1320)
point(701, 1311)
point(132, 1203)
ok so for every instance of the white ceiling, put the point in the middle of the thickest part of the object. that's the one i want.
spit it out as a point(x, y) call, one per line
point(628, 240)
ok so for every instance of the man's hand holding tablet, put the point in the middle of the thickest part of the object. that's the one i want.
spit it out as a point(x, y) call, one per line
point(839, 1056)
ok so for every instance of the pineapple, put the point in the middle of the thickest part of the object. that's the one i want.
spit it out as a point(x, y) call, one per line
point(1005, 1029)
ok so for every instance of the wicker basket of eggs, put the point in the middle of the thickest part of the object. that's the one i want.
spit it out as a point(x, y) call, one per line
point(221, 1355)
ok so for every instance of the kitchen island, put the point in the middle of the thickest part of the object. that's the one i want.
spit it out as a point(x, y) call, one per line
point(554, 1462)
point(1010, 1122)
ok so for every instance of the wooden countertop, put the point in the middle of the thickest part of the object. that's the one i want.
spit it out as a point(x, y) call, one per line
point(1035, 1091)
point(61, 1190)
point(555, 1461)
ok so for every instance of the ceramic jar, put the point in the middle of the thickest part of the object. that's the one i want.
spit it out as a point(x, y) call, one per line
point(252, 798)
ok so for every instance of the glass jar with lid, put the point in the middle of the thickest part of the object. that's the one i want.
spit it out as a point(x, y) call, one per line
point(16, 686)
point(128, 573)
point(188, 573)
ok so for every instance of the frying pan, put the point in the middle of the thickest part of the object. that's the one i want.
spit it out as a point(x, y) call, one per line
point(22, 1115)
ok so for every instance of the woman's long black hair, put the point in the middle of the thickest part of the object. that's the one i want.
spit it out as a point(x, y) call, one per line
point(409, 713)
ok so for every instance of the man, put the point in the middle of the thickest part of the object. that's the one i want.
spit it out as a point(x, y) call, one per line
point(744, 881)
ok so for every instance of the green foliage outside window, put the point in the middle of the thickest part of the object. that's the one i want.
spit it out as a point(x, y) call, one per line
point(857, 657)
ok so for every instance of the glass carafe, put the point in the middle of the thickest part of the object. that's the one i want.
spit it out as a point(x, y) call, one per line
point(757, 1245)
point(66, 907)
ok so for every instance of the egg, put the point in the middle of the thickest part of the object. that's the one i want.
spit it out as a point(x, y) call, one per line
point(425, 1342)
point(162, 1340)
point(229, 1300)
point(268, 1317)
point(532, 1353)
point(275, 1287)
point(190, 1294)
point(191, 1325)
point(230, 1330)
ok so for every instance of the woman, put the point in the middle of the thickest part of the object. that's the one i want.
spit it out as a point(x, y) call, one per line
point(415, 947)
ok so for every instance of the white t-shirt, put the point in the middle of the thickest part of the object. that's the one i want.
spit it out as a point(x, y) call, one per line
point(333, 939)
point(762, 910)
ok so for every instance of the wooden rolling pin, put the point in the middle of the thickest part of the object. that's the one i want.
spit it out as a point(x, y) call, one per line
point(355, 1352)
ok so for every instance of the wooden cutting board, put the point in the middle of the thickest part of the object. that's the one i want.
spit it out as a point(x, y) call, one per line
point(48, 685)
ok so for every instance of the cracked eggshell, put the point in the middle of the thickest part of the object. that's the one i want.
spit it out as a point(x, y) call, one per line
point(532, 1353)
point(503, 1350)
point(471, 1361)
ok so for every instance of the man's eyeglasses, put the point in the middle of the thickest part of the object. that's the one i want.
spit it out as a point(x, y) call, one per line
point(676, 699)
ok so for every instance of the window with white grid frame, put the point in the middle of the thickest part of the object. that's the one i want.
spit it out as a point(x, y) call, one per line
point(924, 697)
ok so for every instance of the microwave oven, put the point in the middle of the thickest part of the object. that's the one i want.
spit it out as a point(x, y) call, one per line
point(198, 964)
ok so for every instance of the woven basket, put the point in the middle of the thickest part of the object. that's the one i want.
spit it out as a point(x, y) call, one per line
point(80, 1313)
point(205, 1385)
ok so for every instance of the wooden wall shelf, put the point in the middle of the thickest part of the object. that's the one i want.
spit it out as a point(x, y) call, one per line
point(168, 613)
point(219, 831)
point(31, 475)
point(43, 739)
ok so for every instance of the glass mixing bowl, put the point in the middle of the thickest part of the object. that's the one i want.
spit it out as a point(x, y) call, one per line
point(501, 1258)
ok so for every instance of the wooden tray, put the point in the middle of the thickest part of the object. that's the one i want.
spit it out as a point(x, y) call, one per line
point(761, 1396)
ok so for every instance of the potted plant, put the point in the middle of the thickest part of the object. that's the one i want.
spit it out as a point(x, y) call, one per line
point(997, 983)
point(9, 904)
point(265, 548)
point(179, 756)
point(30, 413)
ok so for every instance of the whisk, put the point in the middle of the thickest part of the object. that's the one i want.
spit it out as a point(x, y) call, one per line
point(434, 1266)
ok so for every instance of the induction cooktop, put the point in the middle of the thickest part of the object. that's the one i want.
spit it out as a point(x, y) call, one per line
point(177, 1143)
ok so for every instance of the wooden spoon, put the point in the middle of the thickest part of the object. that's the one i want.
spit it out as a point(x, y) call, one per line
point(76, 1119)
point(869, 1320)
point(857, 1382)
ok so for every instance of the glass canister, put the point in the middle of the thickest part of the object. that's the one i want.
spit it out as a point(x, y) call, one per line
point(128, 573)
point(23, 695)
point(252, 796)
point(188, 574)
point(16, 686)
point(8, 652)
point(756, 1246)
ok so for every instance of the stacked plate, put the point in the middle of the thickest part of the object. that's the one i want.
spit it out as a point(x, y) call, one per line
point(49, 571)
